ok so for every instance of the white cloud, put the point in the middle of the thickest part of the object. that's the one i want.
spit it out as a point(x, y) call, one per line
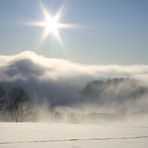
point(60, 68)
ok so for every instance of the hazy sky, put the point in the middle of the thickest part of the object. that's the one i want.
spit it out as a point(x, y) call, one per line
point(111, 32)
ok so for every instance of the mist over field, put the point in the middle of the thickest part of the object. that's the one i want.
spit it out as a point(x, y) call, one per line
point(63, 90)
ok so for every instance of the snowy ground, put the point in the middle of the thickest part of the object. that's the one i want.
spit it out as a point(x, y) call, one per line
point(52, 135)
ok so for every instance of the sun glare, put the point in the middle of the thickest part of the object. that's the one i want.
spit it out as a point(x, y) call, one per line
point(51, 24)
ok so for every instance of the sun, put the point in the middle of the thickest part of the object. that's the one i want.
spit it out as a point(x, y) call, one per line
point(51, 24)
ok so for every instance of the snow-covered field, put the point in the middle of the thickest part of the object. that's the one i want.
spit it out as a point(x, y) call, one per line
point(60, 135)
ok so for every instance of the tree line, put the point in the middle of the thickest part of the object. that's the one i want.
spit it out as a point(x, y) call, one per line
point(13, 103)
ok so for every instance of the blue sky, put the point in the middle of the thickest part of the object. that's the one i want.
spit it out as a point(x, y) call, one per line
point(113, 32)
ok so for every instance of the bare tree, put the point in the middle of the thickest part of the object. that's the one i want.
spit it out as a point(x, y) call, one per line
point(17, 97)
point(2, 99)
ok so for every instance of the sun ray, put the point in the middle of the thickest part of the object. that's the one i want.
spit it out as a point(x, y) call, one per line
point(51, 26)
point(59, 13)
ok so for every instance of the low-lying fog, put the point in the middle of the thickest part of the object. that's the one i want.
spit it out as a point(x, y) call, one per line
point(60, 90)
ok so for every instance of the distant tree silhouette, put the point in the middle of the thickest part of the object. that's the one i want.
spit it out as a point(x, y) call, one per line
point(2, 99)
point(17, 97)
point(117, 90)
point(2, 91)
